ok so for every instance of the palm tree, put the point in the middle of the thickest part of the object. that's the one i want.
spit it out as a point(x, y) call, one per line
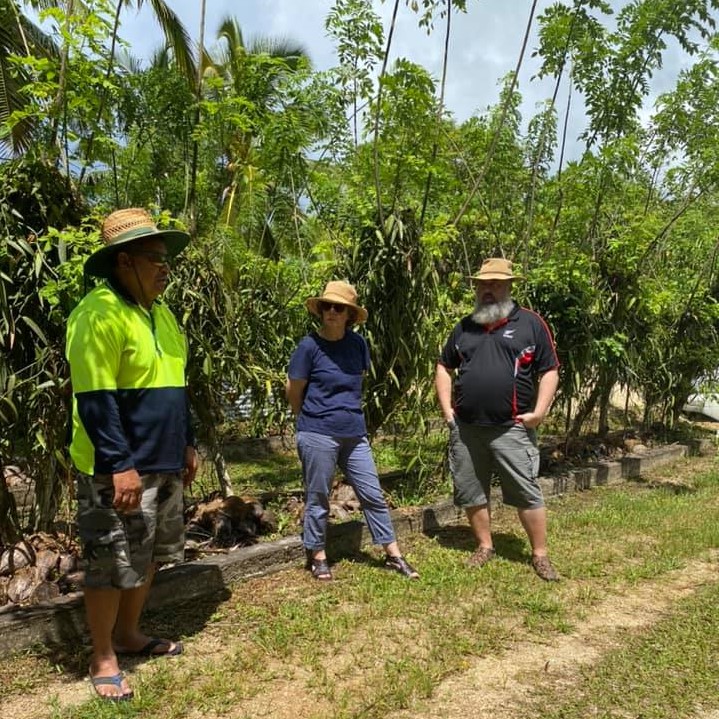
point(252, 72)
point(19, 37)
point(176, 36)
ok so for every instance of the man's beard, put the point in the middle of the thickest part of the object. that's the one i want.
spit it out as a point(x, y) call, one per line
point(491, 312)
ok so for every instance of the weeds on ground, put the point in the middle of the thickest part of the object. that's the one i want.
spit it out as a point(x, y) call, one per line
point(371, 643)
point(668, 672)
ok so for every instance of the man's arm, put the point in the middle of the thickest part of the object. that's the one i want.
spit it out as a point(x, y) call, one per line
point(191, 464)
point(295, 393)
point(443, 386)
point(548, 383)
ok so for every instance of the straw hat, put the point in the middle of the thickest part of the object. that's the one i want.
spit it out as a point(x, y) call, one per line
point(340, 293)
point(496, 268)
point(123, 227)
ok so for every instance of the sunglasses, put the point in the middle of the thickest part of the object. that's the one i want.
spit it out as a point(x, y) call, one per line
point(155, 258)
point(336, 306)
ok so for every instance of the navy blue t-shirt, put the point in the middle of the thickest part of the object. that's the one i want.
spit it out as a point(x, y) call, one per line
point(332, 404)
point(497, 366)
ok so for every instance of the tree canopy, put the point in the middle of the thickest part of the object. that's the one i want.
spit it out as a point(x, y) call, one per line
point(288, 176)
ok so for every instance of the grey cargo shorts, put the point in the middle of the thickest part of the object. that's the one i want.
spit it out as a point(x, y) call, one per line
point(476, 452)
point(119, 548)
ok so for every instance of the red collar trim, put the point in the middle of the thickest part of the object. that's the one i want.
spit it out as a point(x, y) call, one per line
point(496, 325)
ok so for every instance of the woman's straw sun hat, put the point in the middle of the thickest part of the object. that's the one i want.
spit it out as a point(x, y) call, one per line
point(341, 293)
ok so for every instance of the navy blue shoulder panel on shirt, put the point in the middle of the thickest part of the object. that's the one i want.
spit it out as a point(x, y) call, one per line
point(152, 435)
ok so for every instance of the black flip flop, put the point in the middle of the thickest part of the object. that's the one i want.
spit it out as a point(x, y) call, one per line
point(149, 649)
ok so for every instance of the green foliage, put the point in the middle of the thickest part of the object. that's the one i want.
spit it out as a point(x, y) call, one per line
point(65, 95)
point(33, 377)
point(429, 9)
point(612, 69)
point(19, 38)
point(150, 162)
point(226, 310)
point(302, 176)
point(359, 35)
point(396, 281)
point(264, 125)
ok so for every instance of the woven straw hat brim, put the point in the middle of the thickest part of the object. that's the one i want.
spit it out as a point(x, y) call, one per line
point(312, 305)
point(495, 276)
point(101, 262)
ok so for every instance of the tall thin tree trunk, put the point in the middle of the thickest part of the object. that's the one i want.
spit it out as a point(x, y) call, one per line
point(20, 28)
point(192, 198)
point(585, 409)
point(562, 150)
point(103, 96)
point(542, 144)
point(61, 86)
point(604, 396)
point(440, 109)
point(500, 124)
point(375, 145)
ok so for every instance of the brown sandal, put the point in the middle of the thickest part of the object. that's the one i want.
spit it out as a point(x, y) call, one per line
point(544, 569)
point(481, 556)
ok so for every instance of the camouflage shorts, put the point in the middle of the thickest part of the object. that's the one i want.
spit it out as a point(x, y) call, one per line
point(119, 548)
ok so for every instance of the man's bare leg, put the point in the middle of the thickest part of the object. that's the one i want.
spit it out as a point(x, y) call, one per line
point(480, 520)
point(127, 634)
point(534, 522)
point(101, 609)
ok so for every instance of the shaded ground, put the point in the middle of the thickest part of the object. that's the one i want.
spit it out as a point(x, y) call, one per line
point(499, 685)
point(489, 687)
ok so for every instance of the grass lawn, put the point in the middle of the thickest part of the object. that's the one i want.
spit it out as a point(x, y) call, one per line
point(371, 644)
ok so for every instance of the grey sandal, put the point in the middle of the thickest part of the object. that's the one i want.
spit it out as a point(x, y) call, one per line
point(319, 568)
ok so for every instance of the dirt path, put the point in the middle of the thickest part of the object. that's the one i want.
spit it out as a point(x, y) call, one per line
point(495, 686)
point(491, 687)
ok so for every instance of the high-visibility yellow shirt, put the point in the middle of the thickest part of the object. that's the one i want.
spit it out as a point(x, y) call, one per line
point(127, 366)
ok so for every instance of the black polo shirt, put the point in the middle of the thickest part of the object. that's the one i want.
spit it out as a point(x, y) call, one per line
point(497, 366)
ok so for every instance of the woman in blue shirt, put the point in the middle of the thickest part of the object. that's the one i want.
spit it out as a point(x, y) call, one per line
point(324, 389)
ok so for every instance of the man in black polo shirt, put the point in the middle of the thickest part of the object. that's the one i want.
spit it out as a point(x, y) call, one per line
point(507, 372)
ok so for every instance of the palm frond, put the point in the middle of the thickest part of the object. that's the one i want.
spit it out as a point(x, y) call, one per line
point(289, 50)
point(231, 31)
point(176, 37)
point(18, 36)
point(129, 62)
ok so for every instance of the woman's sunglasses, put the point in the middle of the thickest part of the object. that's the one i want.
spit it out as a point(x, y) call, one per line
point(327, 306)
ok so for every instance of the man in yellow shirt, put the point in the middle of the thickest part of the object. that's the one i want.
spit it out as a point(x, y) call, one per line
point(132, 441)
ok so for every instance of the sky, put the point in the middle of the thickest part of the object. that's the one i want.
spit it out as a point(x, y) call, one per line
point(485, 42)
point(485, 45)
